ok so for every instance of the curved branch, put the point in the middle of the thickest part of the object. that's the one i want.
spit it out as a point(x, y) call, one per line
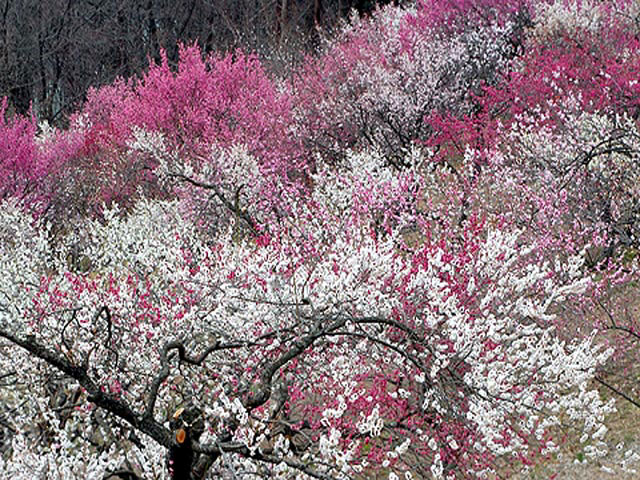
point(184, 357)
point(233, 208)
point(299, 346)
point(96, 394)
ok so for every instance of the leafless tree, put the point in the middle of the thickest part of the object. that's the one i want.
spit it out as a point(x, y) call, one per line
point(51, 52)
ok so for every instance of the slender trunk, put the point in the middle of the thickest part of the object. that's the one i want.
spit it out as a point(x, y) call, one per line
point(283, 21)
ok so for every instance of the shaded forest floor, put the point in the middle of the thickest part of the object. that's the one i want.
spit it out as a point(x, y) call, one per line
point(622, 461)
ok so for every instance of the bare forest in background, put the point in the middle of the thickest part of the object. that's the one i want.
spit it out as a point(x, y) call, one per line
point(52, 51)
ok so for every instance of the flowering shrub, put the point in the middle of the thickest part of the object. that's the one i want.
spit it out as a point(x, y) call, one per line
point(203, 108)
point(31, 160)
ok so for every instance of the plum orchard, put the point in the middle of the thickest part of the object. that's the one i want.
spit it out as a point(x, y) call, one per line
point(212, 274)
point(431, 360)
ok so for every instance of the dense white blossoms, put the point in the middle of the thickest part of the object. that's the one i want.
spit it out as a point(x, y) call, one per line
point(558, 17)
point(471, 332)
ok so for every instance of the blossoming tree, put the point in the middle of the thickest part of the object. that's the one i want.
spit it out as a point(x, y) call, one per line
point(322, 352)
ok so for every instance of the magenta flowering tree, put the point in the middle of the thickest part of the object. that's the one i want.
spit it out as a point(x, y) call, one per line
point(384, 76)
point(31, 159)
point(19, 168)
point(202, 109)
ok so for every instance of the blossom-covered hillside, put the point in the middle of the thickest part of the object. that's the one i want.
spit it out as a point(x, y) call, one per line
point(413, 256)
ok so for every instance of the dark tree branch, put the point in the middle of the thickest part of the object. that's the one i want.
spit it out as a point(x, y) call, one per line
point(299, 346)
point(95, 393)
point(233, 207)
point(617, 392)
point(184, 357)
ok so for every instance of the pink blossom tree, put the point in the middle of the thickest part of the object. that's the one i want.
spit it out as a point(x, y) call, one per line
point(201, 110)
point(31, 159)
point(383, 75)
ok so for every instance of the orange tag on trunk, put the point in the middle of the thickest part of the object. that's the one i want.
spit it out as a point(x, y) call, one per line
point(181, 435)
